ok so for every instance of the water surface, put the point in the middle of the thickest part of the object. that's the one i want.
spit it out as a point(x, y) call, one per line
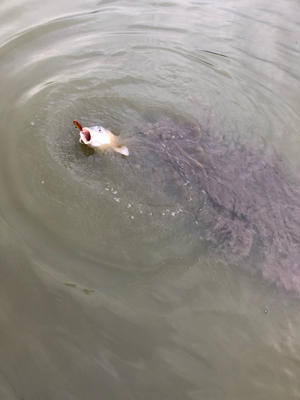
point(106, 290)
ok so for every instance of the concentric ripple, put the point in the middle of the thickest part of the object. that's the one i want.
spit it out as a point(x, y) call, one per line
point(107, 285)
point(120, 76)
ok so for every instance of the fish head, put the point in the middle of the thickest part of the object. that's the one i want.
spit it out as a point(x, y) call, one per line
point(95, 136)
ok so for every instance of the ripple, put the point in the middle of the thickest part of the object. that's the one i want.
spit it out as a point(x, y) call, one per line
point(104, 258)
point(119, 74)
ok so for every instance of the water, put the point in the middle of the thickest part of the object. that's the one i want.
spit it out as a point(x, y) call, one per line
point(106, 292)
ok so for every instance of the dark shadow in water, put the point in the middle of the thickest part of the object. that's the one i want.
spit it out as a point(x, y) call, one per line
point(252, 216)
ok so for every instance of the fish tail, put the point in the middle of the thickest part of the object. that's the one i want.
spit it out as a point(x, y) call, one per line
point(122, 149)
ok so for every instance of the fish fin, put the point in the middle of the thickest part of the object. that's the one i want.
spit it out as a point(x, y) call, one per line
point(122, 149)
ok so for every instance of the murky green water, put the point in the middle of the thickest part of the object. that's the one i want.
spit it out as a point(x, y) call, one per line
point(105, 290)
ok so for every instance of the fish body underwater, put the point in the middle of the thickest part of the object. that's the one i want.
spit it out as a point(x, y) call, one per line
point(100, 138)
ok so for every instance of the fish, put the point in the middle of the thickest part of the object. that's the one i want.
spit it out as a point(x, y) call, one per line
point(100, 138)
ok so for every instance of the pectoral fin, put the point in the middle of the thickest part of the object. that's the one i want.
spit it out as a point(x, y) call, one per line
point(122, 149)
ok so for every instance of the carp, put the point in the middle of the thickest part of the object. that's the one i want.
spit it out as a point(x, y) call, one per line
point(100, 138)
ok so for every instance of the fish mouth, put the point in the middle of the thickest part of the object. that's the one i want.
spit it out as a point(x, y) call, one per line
point(85, 136)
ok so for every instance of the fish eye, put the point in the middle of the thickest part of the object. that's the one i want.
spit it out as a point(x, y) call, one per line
point(99, 129)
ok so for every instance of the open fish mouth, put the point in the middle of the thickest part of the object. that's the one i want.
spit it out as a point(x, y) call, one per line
point(85, 136)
